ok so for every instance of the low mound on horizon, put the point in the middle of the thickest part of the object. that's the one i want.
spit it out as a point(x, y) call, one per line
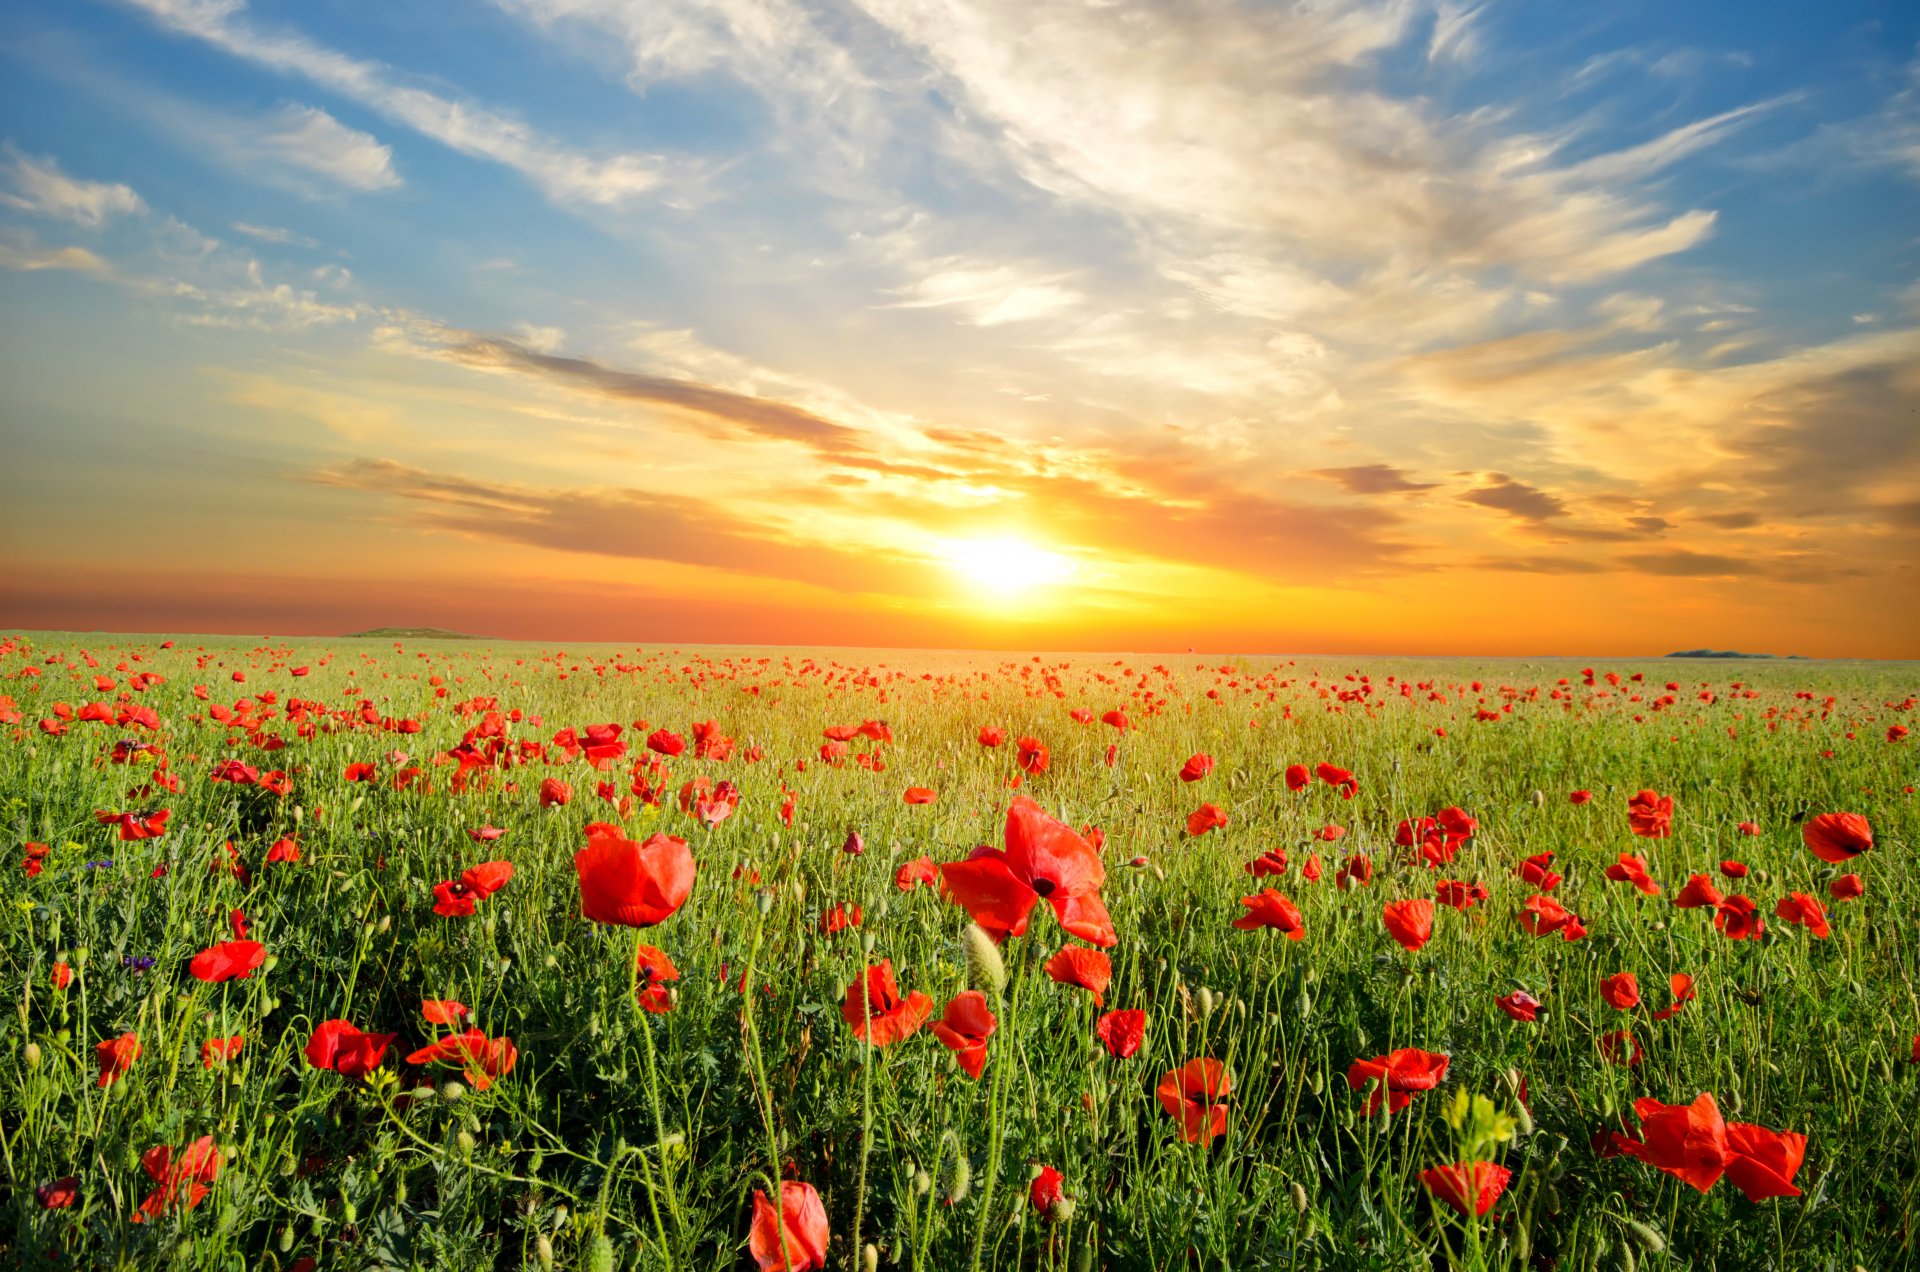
point(411, 633)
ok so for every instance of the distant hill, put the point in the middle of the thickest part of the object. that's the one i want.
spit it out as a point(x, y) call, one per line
point(411, 633)
point(1726, 653)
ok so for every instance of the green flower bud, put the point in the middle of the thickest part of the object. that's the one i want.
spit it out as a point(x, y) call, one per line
point(985, 967)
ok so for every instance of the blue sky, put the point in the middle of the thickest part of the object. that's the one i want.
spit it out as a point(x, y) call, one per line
point(987, 322)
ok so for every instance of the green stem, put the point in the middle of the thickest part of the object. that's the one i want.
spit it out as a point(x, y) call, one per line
point(659, 1121)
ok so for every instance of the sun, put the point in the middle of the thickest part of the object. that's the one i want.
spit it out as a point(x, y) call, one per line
point(1005, 565)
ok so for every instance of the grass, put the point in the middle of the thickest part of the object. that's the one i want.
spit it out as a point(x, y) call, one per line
point(626, 1139)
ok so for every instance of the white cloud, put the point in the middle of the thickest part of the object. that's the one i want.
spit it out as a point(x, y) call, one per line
point(273, 234)
point(540, 339)
point(989, 295)
point(309, 138)
point(39, 187)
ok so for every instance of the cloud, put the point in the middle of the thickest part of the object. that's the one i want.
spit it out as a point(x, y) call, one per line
point(565, 174)
point(1542, 565)
point(989, 296)
point(29, 258)
point(309, 138)
point(1515, 498)
point(37, 186)
point(1372, 479)
point(273, 234)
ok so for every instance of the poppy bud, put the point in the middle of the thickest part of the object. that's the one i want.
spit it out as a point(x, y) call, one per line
point(1061, 1210)
point(1299, 1197)
point(763, 901)
point(1205, 1002)
point(286, 1237)
point(1646, 1236)
point(866, 942)
point(870, 1258)
point(349, 1212)
point(600, 1254)
point(386, 923)
point(79, 956)
point(957, 1175)
point(400, 1190)
point(466, 1141)
point(984, 964)
point(32, 1055)
point(1537, 799)
point(452, 1090)
point(543, 1252)
point(922, 1182)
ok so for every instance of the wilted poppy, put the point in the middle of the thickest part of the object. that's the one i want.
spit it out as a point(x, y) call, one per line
point(1397, 1077)
point(793, 1236)
point(1121, 1032)
point(629, 884)
point(1409, 922)
point(1085, 969)
point(1043, 858)
point(1837, 838)
point(964, 1029)
point(1467, 1186)
point(1268, 908)
point(227, 960)
point(876, 1011)
point(1191, 1095)
point(343, 1048)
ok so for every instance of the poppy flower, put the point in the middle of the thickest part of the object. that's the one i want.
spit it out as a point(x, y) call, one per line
point(1534, 870)
point(1687, 1141)
point(1043, 858)
point(283, 850)
point(1298, 777)
point(184, 1177)
point(1271, 862)
point(1748, 828)
point(1621, 1048)
point(62, 975)
point(481, 1059)
point(1580, 797)
point(1805, 911)
point(1520, 1005)
point(452, 900)
point(1121, 1032)
point(1085, 969)
point(1837, 838)
point(1682, 986)
point(1328, 834)
point(1762, 1163)
point(916, 873)
point(629, 884)
point(1032, 756)
point(990, 736)
point(343, 1048)
point(136, 826)
point(1848, 887)
point(839, 919)
point(964, 1029)
point(652, 968)
point(1465, 1186)
point(791, 1237)
point(1543, 916)
point(1357, 868)
point(1191, 1094)
point(1397, 1077)
point(1739, 918)
point(1698, 894)
point(1269, 909)
point(1118, 719)
point(554, 792)
point(1734, 869)
point(1205, 818)
point(227, 960)
point(1046, 1189)
point(1311, 871)
point(358, 772)
point(485, 834)
point(116, 1056)
point(1621, 991)
point(666, 742)
point(1461, 896)
point(1197, 766)
point(1650, 815)
point(442, 1011)
point(216, 1050)
point(1409, 922)
point(877, 1013)
point(1349, 785)
point(1631, 868)
point(59, 1194)
point(919, 795)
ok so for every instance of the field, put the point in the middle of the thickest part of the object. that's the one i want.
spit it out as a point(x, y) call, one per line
point(639, 1049)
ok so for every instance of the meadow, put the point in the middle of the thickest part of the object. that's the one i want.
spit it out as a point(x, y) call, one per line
point(386, 954)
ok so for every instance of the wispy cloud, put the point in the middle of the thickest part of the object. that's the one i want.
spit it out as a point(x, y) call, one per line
point(273, 234)
point(308, 138)
point(39, 187)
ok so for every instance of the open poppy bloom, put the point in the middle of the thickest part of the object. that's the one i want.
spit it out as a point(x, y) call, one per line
point(343, 1048)
point(1739, 918)
point(1043, 858)
point(1085, 969)
point(1805, 911)
point(1191, 1094)
point(1535, 870)
point(1046, 1189)
point(1121, 1032)
point(481, 1059)
point(1649, 815)
point(1031, 754)
point(1543, 916)
point(1469, 1187)
point(1349, 785)
point(1269, 909)
point(1837, 838)
point(182, 1180)
point(964, 1029)
point(1621, 1048)
point(877, 1013)
point(1298, 777)
point(59, 1194)
point(1461, 896)
point(217, 1050)
point(1520, 1005)
point(136, 826)
point(1698, 894)
point(629, 884)
point(1682, 986)
point(791, 1237)
point(1397, 1076)
point(1271, 862)
point(1197, 766)
point(1409, 922)
point(919, 795)
point(1356, 868)
point(1205, 818)
point(991, 736)
point(442, 1011)
point(1631, 868)
point(227, 960)
point(652, 968)
point(1848, 887)
point(1693, 1143)
point(916, 873)
point(1621, 991)
point(116, 1056)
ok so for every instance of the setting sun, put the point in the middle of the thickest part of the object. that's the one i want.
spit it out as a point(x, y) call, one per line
point(1006, 565)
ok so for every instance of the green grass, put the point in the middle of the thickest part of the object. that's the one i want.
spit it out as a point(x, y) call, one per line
point(1788, 1032)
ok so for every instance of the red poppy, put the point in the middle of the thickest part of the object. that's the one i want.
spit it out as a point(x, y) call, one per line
point(1805, 911)
point(227, 960)
point(1299, 777)
point(1271, 862)
point(1461, 896)
point(59, 1194)
point(62, 975)
point(1748, 828)
point(481, 1059)
point(1762, 1163)
point(1349, 785)
point(919, 795)
point(1621, 991)
point(1621, 1048)
point(652, 968)
point(1682, 986)
point(665, 742)
point(452, 900)
point(1205, 818)
point(343, 1048)
point(1397, 1076)
point(1043, 858)
point(488, 877)
point(1046, 1189)
point(1032, 756)
point(1269, 909)
point(1085, 969)
point(1121, 1032)
point(1197, 766)
point(554, 792)
point(442, 1011)
point(839, 919)
point(1409, 922)
point(136, 826)
point(629, 884)
point(1311, 871)
point(1118, 719)
point(1698, 894)
point(877, 1013)
point(1687, 1141)
point(116, 1056)
point(1837, 838)
point(1534, 870)
point(990, 736)
point(1632, 869)
point(1543, 916)
point(186, 1177)
point(1580, 797)
point(1739, 918)
point(1848, 887)
point(1520, 1005)
point(1464, 1185)
point(1355, 869)
point(1191, 1095)
point(793, 1236)
point(1650, 815)
point(283, 850)
point(964, 1029)
point(358, 772)
point(216, 1050)
point(916, 873)
point(485, 834)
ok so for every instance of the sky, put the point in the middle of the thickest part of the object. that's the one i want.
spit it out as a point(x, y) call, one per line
point(1336, 326)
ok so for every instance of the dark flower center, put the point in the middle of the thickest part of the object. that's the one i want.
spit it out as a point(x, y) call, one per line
point(1044, 887)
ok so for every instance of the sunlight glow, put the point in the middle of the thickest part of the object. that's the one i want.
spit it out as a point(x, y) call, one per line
point(1005, 565)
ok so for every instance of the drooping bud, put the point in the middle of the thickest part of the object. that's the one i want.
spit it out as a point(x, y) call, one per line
point(985, 967)
point(854, 845)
